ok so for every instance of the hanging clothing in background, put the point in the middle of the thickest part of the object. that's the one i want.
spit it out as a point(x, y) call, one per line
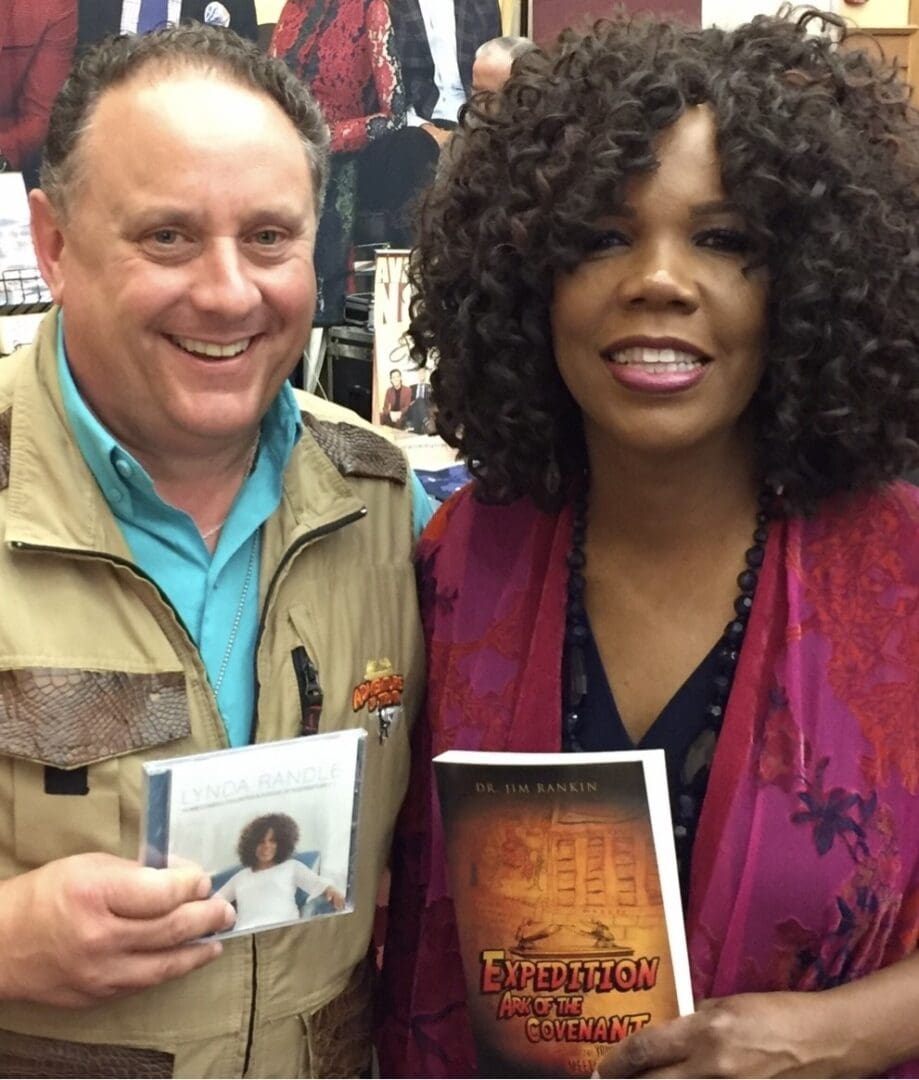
point(343, 50)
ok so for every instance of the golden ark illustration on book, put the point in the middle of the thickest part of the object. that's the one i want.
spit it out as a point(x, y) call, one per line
point(565, 885)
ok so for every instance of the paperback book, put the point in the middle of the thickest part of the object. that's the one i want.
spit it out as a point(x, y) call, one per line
point(274, 824)
point(564, 880)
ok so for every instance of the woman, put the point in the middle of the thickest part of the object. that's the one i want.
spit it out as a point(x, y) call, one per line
point(343, 50)
point(673, 284)
point(265, 890)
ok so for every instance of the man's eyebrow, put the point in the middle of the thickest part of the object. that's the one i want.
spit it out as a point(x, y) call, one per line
point(167, 216)
point(158, 216)
point(286, 216)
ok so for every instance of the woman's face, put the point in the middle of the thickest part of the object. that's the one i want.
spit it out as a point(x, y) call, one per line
point(658, 333)
point(266, 850)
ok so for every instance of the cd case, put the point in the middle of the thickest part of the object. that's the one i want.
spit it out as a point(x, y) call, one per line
point(274, 825)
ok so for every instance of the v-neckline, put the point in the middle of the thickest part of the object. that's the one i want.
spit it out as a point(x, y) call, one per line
point(667, 723)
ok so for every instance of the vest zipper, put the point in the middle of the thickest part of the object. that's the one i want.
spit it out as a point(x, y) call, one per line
point(312, 685)
point(316, 534)
point(310, 690)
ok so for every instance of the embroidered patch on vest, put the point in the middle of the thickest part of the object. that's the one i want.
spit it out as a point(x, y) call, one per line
point(67, 717)
point(6, 432)
point(380, 692)
point(355, 451)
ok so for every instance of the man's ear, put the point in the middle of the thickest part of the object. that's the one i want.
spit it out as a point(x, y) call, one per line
point(48, 241)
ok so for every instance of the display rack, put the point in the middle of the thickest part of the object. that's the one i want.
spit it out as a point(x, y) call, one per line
point(23, 292)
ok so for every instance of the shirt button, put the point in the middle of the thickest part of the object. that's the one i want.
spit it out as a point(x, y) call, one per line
point(115, 495)
point(123, 468)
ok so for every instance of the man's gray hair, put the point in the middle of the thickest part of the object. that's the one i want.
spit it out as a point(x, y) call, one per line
point(509, 46)
point(189, 47)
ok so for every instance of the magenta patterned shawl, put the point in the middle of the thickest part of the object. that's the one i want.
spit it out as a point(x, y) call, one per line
point(806, 862)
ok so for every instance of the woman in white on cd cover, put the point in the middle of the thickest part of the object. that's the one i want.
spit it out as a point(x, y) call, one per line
point(264, 890)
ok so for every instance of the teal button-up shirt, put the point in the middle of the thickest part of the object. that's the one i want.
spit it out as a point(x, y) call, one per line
point(215, 596)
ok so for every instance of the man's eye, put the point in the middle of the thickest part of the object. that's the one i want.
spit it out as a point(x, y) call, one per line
point(267, 237)
point(166, 237)
point(731, 241)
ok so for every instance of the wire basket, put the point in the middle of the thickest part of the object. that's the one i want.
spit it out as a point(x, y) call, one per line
point(23, 291)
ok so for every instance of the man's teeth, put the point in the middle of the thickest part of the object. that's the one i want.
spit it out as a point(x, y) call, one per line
point(663, 360)
point(211, 348)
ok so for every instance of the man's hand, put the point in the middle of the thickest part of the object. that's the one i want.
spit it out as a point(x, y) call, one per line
point(335, 898)
point(770, 1035)
point(89, 927)
point(438, 134)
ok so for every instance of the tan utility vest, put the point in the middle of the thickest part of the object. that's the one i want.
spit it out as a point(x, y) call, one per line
point(96, 671)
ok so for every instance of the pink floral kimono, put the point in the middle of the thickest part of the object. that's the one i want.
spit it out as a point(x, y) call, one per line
point(805, 868)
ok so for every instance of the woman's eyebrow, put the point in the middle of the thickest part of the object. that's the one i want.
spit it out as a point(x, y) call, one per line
point(715, 206)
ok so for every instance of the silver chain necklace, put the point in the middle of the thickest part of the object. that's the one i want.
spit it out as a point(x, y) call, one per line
point(250, 466)
point(247, 581)
point(238, 617)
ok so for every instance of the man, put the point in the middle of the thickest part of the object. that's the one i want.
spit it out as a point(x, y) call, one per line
point(435, 43)
point(98, 18)
point(419, 416)
point(490, 71)
point(491, 67)
point(36, 48)
point(396, 400)
point(192, 558)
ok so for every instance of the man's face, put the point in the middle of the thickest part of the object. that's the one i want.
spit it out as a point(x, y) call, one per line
point(396, 379)
point(491, 72)
point(184, 267)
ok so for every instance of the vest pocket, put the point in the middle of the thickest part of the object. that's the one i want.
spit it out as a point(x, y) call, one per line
point(47, 827)
point(65, 731)
point(32, 1055)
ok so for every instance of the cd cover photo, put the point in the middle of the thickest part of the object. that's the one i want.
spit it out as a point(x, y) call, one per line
point(274, 825)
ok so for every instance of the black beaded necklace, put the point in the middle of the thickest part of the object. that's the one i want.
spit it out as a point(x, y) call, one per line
point(690, 783)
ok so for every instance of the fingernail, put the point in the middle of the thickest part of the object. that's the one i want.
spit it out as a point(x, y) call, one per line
point(229, 916)
point(204, 888)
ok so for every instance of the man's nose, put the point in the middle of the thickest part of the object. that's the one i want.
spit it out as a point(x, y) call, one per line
point(224, 284)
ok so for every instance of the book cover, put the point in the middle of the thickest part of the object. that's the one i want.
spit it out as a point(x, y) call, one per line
point(564, 879)
point(273, 824)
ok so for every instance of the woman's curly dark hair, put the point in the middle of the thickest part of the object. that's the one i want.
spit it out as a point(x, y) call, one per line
point(819, 149)
point(286, 835)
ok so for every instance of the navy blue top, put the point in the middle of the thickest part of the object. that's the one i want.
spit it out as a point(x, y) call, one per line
point(679, 724)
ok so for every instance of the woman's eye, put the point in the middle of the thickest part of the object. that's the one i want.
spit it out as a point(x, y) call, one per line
point(605, 240)
point(730, 241)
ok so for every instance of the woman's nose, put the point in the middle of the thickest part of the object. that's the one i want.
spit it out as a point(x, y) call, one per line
point(658, 278)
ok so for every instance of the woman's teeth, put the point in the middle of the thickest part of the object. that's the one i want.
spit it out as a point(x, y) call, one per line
point(663, 360)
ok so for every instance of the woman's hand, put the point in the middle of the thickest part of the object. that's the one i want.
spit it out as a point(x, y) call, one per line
point(763, 1035)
